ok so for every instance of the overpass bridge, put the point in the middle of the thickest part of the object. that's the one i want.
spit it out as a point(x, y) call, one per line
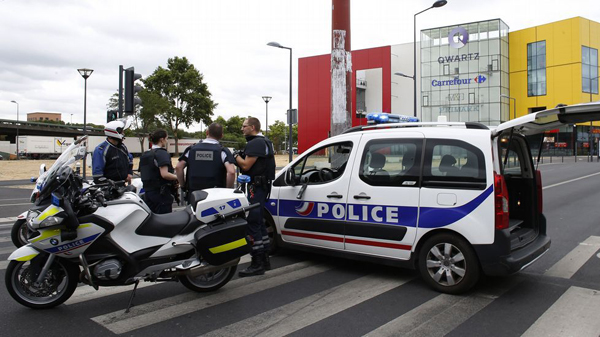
point(9, 128)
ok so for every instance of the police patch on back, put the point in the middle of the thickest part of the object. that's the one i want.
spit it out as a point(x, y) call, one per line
point(204, 155)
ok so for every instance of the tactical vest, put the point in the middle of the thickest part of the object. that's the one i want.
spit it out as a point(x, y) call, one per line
point(151, 177)
point(205, 167)
point(116, 165)
point(264, 165)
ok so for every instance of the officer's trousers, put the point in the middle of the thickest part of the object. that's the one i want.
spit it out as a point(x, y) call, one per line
point(256, 221)
point(159, 203)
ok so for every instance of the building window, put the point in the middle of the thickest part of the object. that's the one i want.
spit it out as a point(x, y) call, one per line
point(536, 68)
point(589, 70)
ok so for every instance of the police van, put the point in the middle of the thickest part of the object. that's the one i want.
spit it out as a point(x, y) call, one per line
point(453, 200)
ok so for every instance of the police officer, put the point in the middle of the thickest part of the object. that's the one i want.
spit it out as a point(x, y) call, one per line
point(258, 162)
point(209, 164)
point(157, 174)
point(111, 159)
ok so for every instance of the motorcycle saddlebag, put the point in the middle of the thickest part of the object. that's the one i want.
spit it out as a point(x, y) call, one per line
point(221, 243)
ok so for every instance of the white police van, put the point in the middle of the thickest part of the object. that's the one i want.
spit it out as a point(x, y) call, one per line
point(450, 199)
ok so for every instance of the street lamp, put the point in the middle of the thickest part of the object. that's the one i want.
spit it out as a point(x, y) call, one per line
point(17, 139)
point(438, 3)
point(71, 118)
point(590, 133)
point(85, 73)
point(514, 104)
point(275, 44)
point(267, 99)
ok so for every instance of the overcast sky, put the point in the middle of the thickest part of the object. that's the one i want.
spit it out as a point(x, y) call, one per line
point(42, 43)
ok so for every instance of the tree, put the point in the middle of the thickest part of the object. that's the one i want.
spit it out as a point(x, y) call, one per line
point(188, 97)
point(278, 132)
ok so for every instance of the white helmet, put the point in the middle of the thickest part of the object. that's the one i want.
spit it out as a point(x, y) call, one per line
point(115, 129)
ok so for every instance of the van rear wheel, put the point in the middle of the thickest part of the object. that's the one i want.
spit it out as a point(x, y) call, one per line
point(448, 264)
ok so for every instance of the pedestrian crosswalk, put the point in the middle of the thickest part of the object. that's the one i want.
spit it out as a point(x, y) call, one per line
point(299, 294)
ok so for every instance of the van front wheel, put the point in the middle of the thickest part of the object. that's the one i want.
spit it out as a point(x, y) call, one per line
point(448, 264)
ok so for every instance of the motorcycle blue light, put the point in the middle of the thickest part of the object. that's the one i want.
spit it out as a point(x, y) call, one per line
point(55, 201)
point(243, 179)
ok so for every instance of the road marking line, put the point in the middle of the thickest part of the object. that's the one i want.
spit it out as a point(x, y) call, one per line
point(4, 264)
point(570, 181)
point(5, 232)
point(441, 314)
point(7, 250)
point(8, 219)
point(5, 239)
point(575, 313)
point(26, 203)
point(575, 259)
point(309, 310)
point(162, 310)
point(14, 199)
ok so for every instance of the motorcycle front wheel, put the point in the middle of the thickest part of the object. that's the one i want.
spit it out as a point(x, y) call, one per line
point(208, 282)
point(56, 287)
point(19, 233)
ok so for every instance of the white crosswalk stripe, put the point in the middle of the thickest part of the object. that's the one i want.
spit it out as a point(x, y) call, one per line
point(3, 264)
point(441, 314)
point(298, 314)
point(575, 313)
point(572, 262)
point(162, 310)
point(8, 250)
point(5, 239)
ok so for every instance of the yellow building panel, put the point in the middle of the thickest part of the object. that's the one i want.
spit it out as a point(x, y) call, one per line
point(517, 50)
point(594, 35)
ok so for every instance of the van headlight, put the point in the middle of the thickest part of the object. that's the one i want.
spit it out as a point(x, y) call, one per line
point(51, 221)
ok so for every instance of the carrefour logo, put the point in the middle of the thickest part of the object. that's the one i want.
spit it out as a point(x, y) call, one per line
point(458, 81)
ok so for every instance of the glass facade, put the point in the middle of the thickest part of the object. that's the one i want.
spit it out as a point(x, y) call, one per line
point(536, 68)
point(464, 72)
point(589, 70)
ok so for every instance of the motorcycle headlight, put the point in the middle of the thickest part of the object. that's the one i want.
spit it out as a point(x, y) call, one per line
point(31, 215)
point(51, 221)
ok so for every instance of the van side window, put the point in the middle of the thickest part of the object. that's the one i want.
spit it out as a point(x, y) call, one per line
point(324, 164)
point(391, 162)
point(449, 160)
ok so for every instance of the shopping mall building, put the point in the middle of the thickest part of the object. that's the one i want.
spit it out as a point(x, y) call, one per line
point(478, 71)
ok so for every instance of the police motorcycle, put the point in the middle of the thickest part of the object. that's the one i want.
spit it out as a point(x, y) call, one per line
point(19, 233)
point(79, 236)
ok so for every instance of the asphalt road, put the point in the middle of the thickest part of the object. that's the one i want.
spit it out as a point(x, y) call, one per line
point(312, 295)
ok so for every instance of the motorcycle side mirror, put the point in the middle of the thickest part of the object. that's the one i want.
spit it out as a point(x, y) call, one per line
point(43, 168)
point(290, 177)
point(304, 181)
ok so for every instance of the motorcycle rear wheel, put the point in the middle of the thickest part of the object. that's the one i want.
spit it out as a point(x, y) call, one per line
point(209, 282)
point(58, 285)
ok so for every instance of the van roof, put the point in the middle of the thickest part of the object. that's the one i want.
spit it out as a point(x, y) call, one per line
point(467, 125)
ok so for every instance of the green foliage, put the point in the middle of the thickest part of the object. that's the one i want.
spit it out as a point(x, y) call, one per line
point(188, 97)
point(278, 132)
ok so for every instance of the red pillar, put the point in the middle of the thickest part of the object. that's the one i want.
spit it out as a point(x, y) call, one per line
point(341, 67)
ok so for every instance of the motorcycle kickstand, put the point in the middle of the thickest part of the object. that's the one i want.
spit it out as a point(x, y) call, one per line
point(130, 304)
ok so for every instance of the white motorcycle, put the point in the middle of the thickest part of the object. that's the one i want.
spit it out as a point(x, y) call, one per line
point(19, 233)
point(78, 236)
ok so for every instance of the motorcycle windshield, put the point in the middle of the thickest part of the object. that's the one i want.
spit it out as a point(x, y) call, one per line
point(72, 154)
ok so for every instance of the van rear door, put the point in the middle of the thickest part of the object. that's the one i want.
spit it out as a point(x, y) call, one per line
point(551, 119)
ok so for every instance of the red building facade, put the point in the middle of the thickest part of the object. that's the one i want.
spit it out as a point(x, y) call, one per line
point(314, 92)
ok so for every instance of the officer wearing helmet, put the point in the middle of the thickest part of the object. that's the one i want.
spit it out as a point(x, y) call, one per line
point(111, 159)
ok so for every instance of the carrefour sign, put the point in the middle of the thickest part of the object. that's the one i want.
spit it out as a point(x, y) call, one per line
point(458, 81)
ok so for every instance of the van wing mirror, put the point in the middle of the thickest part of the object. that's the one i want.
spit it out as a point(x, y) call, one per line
point(290, 177)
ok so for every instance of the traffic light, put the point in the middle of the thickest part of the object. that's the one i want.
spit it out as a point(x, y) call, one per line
point(111, 115)
point(131, 89)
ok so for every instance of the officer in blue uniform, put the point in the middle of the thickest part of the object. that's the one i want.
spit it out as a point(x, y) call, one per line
point(158, 175)
point(208, 163)
point(111, 159)
point(258, 162)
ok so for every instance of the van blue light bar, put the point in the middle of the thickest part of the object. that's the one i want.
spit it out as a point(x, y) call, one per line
point(381, 118)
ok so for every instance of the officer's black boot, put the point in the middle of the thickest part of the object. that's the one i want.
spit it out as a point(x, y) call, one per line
point(255, 268)
point(266, 261)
